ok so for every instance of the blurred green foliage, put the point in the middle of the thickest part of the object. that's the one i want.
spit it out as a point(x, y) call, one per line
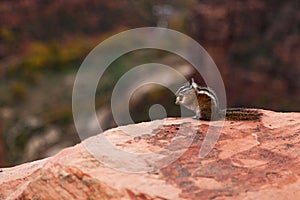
point(40, 59)
point(50, 56)
point(17, 91)
point(7, 36)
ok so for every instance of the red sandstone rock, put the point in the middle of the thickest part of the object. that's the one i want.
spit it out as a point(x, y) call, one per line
point(251, 160)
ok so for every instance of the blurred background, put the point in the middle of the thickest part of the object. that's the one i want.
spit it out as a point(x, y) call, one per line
point(255, 44)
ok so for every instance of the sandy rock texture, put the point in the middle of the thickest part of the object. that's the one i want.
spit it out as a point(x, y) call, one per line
point(250, 160)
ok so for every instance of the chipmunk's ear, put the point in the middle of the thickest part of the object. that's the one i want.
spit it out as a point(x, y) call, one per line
point(194, 85)
point(192, 81)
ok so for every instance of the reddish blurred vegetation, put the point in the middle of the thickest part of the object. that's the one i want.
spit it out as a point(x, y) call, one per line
point(255, 44)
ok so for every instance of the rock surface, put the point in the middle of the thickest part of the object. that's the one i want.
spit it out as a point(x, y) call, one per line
point(251, 160)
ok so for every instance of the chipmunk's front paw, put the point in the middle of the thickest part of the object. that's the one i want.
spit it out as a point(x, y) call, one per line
point(196, 117)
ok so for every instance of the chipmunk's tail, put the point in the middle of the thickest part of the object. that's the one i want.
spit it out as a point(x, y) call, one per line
point(242, 114)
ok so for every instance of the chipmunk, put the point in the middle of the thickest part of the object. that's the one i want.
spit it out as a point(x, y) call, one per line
point(204, 102)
